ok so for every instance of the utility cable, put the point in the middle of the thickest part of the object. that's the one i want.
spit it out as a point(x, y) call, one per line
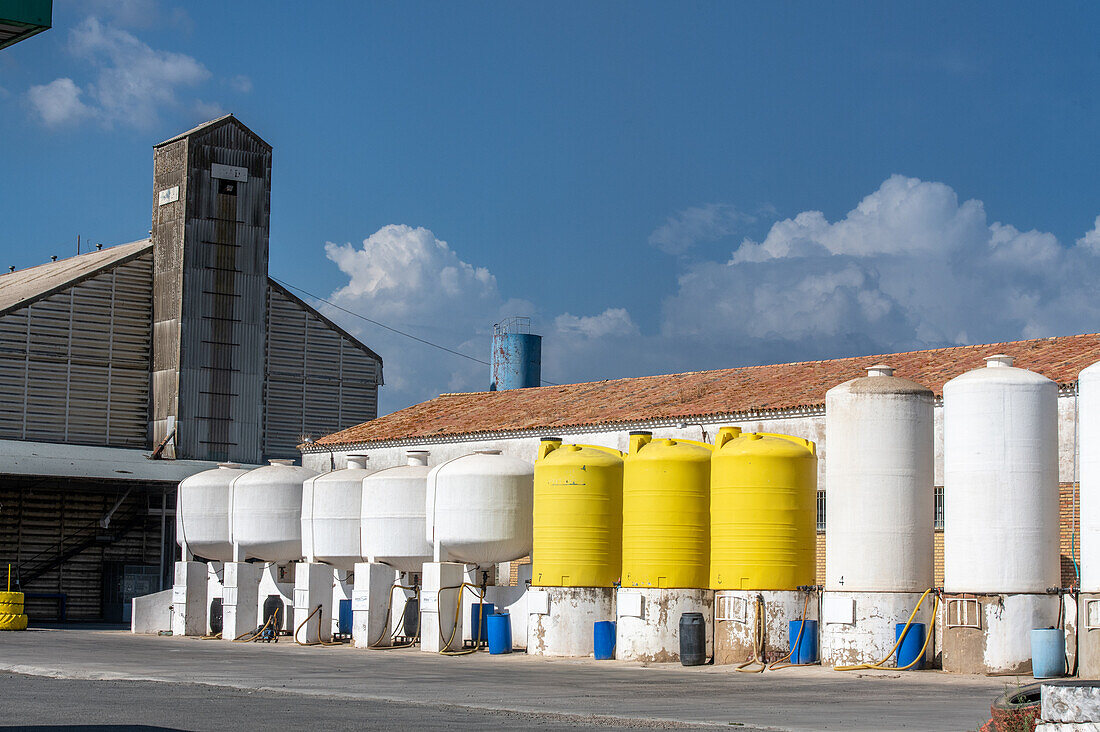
point(354, 314)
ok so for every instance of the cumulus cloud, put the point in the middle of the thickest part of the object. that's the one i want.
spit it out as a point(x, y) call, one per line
point(130, 83)
point(909, 267)
point(58, 102)
point(241, 83)
point(699, 223)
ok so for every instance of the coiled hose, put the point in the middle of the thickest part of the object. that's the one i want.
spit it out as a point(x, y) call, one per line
point(479, 592)
point(318, 642)
point(879, 665)
point(377, 645)
point(253, 635)
point(758, 641)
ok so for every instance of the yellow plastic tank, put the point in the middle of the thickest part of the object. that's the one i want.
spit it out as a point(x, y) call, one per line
point(578, 516)
point(763, 509)
point(666, 513)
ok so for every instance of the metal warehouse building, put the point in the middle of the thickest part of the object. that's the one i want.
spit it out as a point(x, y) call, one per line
point(784, 398)
point(124, 370)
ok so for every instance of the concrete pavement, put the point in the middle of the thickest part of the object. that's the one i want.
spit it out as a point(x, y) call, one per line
point(575, 693)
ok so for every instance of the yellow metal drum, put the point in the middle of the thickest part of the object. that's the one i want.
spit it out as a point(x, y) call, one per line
point(578, 516)
point(666, 513)
point(763, 508)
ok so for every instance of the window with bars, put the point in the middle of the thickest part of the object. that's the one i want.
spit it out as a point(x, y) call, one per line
point(937, 508)
point(820, 511)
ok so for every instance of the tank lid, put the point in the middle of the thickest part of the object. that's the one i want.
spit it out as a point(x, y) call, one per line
point(281, 461)
point(357, 461)
point(416, 457)
point(550, 439)
point(229, 466)
point(486, 452)
point(998, 360)
point(641, 432)
point(880, 369)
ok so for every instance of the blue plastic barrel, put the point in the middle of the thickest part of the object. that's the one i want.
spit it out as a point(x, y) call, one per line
point(479, 621)
point(806, 652)
point(344, 619)
point(1048, 653)
point(500, 633)
point(603, 640)
point(911, 645)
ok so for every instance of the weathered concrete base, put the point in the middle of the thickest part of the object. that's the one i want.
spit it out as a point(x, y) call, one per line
point(1071, 705)
point(648, 623)
point(986, 634)
point(189, 599)
point(437, 606)
point(860, 627)
point(735, 622)
point(240, 598)
point(369, 600)
point(560, 619)
point(312, 589)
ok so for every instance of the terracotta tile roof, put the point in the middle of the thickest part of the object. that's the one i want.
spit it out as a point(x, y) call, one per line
point(702, 394)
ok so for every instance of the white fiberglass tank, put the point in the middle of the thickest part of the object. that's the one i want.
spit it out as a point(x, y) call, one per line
point(879, 482)
point(1000, 473)
point(266, 521)
point(203, 501)
point(1088, 410)
point(480, 508)
point(392, 517)
point(331, 505)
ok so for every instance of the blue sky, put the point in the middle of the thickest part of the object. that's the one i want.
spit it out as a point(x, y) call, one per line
point(663, 187)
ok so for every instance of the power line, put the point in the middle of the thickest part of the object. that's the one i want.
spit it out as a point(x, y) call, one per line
point(284, 283)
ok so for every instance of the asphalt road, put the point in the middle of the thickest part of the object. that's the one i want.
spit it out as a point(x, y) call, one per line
point(115, 678)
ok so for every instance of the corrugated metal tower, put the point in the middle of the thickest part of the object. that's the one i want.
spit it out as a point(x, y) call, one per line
point(516, 362)
point(211, 212)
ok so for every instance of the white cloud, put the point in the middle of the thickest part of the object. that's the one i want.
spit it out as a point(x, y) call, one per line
point(240, 83)
point(909, 267)
point(58, 102)
point(131, 81)
point(1091, 240)
point(711, 221)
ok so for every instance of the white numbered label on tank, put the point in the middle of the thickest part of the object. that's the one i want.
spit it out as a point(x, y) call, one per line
point(631, 605)
point(838, 610)
point(301, 598)
point(429, 603)
point(360, 600)
point(229, 597)
point(538, 602)
point(179, 595)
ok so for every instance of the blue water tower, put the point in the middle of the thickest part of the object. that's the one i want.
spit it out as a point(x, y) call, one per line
point(516, 362)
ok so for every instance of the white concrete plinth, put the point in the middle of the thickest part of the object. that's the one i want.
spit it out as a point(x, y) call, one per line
point(1071, 702)
point(992, 633)
point(861, 627)
point(240, 598)
point(560, 619)
point(370, 604)
point(438, 598)
point(648, 623)
point(312, 590)
point(735, 622)
point(189, 599)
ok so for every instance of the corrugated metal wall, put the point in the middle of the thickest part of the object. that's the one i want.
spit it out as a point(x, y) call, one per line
point(318, 381)
point(42, 518)
point(74, 367)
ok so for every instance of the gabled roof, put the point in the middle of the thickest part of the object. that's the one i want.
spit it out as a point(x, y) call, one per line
point(22, 287)
point(213, 124)
point(272, 282)
point(701, 394)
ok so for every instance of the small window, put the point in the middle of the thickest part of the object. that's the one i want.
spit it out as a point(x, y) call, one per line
point(937, 508)
point(821, 511)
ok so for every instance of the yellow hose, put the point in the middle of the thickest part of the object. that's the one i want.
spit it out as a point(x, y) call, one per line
point(254, 635)
point(458, 618)
point(376, 646)
point(316, 611)
point(776, 665)
point(879, 665)
point(758, 641)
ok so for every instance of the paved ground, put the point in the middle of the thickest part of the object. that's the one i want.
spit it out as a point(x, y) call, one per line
point(217, 685)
